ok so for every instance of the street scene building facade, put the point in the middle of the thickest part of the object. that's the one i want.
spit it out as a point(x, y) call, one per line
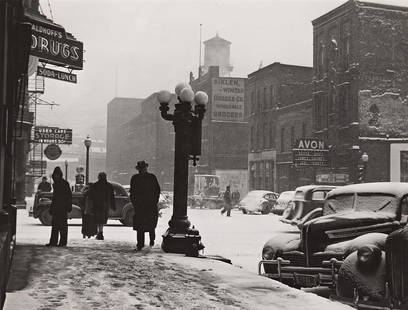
point(360, 90)
point(281, 112)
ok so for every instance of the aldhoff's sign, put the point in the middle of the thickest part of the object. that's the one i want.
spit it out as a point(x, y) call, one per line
point(53, 45)
point(310, 152)
point(58, 75)
point(43, 134)
point(228, 95)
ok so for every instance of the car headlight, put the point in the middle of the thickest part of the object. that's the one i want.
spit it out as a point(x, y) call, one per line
point(268, 253)
point(368, 258)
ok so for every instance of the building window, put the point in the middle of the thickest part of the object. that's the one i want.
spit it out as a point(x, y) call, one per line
point(272, 96)
point(271, 136)
point(258, 101)
point(265, 102)
point(252, 102)
point(265, 136)
point(282, 140)
point(320, 60)
point(258, 137)
point(292, 136)
point(252, 137)
point(304, 128)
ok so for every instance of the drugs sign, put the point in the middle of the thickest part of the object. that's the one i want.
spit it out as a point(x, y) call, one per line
point(43, 134)
point(310, 152)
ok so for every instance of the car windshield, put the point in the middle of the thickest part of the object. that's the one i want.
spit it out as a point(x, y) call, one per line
point(374, 202)
point(286, 195)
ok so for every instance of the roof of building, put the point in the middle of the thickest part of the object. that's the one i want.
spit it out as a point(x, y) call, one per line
point(217, 39)
point(354, 4)
point(277, 64)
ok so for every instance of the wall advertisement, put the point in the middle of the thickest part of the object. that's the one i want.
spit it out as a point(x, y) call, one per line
point(227, 102)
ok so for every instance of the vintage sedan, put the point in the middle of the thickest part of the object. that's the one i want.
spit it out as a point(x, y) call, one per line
point(284, 201)
point(124, 209)
point(258, 201)
point(307, 204)
point(375, 276)
point(313, 257)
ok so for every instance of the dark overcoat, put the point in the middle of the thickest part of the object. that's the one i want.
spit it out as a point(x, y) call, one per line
point(103, 199)
point(144, 194)
point(61, 203)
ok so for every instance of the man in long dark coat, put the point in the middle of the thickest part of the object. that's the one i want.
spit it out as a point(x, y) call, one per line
point(61, 205)
point(144, 194)
point(103, 199)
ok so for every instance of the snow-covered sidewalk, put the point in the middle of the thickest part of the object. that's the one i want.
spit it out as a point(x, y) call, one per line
point(91, 274)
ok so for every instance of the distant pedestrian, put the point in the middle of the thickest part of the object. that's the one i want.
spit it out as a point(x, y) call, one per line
point(61, 205)
point(144, 194)
point(227, 202)
point(88, 220)
point(44, 186)
point(102, 199)
point(235, 197)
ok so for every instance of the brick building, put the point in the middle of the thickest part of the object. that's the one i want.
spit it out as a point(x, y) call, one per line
point(360, 88)
point(120, 110)
point(225, 129)
point(281, 112)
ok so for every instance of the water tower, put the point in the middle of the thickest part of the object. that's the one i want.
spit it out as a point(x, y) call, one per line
point(217, 53)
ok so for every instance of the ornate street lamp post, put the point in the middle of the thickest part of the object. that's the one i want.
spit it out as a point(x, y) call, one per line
point(87, 143)
point(179, 237)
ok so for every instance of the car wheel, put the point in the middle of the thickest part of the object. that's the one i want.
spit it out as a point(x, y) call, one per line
point(128, 220)
point(46, 217)
point(266, 208)
point(244, 211)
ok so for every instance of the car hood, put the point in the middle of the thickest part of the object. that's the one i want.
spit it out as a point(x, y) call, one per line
point(333, 228)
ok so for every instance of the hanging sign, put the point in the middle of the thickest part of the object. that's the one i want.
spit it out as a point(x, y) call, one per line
point(52, 44)
point(52, 151)
point(44, 134)
point(310, 152)
point(57, 75)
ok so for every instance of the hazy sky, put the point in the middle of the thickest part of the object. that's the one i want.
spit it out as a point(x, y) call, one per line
point(153, 45)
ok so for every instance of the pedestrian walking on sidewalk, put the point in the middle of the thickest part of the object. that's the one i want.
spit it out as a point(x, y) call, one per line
point(227, 202)
point(144, 194)
point(61, 205)
point(88, 219)
point(103, 199)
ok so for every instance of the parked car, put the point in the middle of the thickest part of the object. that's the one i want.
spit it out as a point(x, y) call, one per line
point(375, 276)
point(165, 200)
point(284, 201)
point(313, 257)
point(124, 210)
point(258, 201)
point(307, 204)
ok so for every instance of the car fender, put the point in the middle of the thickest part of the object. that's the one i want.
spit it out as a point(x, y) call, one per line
point(370, 284)
point(126, 208)
point(310, 216)
point(349, 246)
point(280, 243)
point(76, 212)
point(38, 209)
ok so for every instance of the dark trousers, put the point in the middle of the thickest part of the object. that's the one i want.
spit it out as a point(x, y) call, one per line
point(227, 208)
point(59, 227)
point(140, 235)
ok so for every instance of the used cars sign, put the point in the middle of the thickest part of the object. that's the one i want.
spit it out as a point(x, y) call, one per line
point(310, 152)
point(43, 134)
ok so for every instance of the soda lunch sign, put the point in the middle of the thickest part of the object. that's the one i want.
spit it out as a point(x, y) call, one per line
point(310, 152)
point(51, 44)
point(55, 135)
point(57, 75)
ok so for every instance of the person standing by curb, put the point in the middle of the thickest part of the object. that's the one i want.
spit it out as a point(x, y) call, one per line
point(144, 195)
point(61, 205)
point(103, 199)
point(227, 202)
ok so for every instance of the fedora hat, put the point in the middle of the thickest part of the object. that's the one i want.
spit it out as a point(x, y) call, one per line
point(141, 164)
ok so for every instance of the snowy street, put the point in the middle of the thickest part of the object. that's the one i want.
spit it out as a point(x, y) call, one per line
point(92, 274)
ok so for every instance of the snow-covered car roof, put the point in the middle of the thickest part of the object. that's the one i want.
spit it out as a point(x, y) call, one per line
point(306, 188)
point(260, 193)
point(397, 189)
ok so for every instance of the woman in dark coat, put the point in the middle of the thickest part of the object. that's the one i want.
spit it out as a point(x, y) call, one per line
point(61, 205)
point(144, 194)
point(103, 199)
point(88, 220)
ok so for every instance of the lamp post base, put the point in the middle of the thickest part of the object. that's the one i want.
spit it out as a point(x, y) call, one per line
point(188, 242)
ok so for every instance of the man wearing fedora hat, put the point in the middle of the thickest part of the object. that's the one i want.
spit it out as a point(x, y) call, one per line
point(144, 194)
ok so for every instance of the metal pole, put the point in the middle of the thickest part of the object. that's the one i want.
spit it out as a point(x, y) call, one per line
point(66, 170)
point(87, 166)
